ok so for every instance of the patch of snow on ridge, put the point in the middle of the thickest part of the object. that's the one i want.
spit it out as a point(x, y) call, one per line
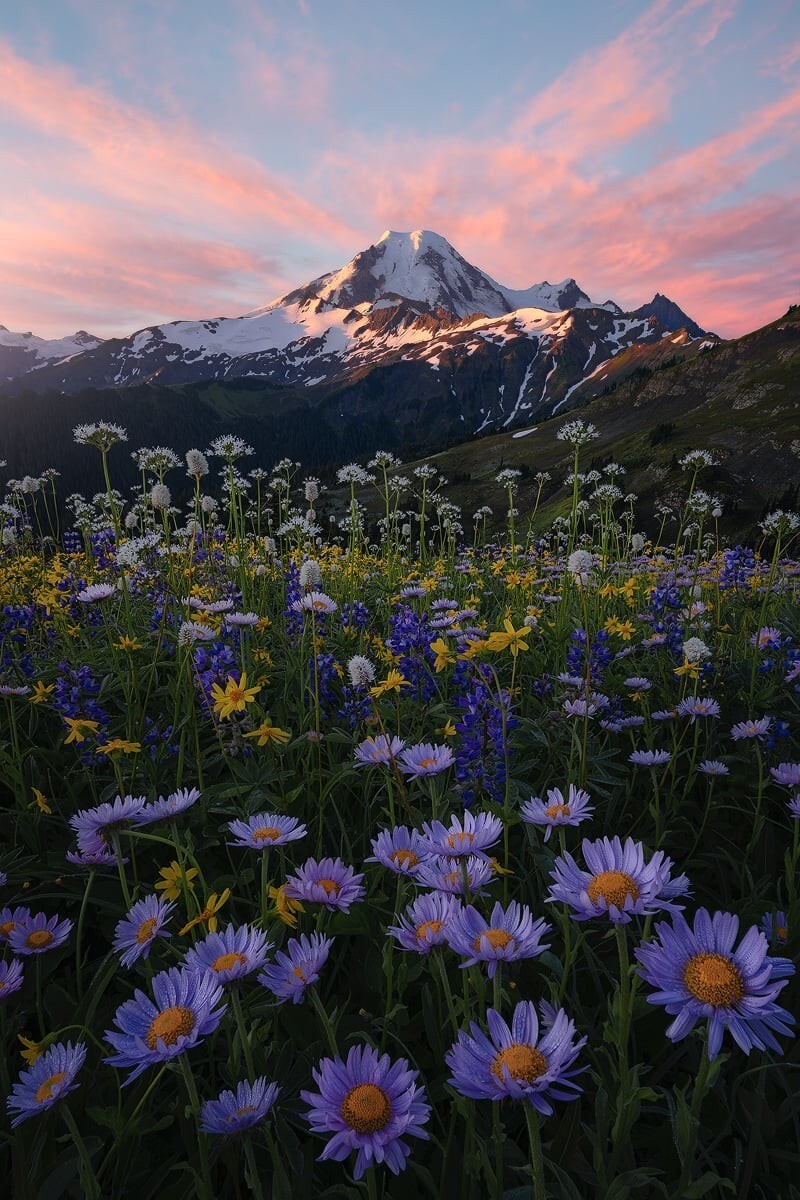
point(524, 432)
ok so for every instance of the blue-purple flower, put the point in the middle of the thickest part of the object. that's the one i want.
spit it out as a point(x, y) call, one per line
point(92, 825)
point(699, 976)
point(757, 728)
point(10, 977)
point(618, 884)
point(517, 1063)
point(378, 751)
point(558, 810)
point(426, 922)
point(467, 838)
point(234, 1112)
point(775, 927)
point(298, 968)
point(712, 766)
point(444, 875)
point(49, 1079)
point(509, 934)
point(136, 932)
point(185, 1008)
point(166, 807)
point(697, 706)
point(262, 831)
point(649, 758)
point(369, 1104)
point(9, 918)
point(401, 850)
point(425, 759)
point(329, 881)
point(231, 954)
point(38, 933)
point(786, 774)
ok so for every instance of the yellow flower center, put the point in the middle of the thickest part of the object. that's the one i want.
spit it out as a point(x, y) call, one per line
point(38, 939)
point(319, 605)
point(266, 833)
point(458, 840)
point(614, 887)
point(366, 1108)
point(428, 929)
point(713, 979)
point(330, 886)
point(236, 695)
point(226, 962)
point(45, 1090)
point(299, 974)
point(174, 1022)
point(241, 1112)
point(427, 762)
point(782, 932)
point(557, 810)
point(6, 929)
point(145, 931)
point(404, 858)
point(523, 1063)
point(495, 937)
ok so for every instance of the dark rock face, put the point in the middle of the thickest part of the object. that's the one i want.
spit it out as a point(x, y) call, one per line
point(669, 315)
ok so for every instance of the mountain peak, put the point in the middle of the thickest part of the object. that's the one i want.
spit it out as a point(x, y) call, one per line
point(669, 314)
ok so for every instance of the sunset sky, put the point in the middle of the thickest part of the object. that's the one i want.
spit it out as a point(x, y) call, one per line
point(188, 158)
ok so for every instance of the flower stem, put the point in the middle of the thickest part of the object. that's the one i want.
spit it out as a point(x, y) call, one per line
point(537, 1163)
point(89, 1183)
point(194, 1101)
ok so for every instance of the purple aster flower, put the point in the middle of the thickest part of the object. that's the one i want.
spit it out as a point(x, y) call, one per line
point(242, 620)
point(794, 807)
point(698, 975)
point(38, 933)
point(638, 683)
point(9, 918)
point(425, 759)
point(665, 714)
point(329, 881)
point(557, 811)
point(102, 856)
point(91, 825)
point(3, 879)
point(231, 954)
point(470, 839)
point(649, 758)
point(751, 729)
point(50, 1079)
point(183, 1011)
point(316, 602)
point(775, 927)
point(369, 1104)
point(618, 883)
point(137, 931)
point(96, 592)
point(786, 774)
point(400, 849)
point(508, 935)
point(378, 751)
point(10, 977)
point(298, 968)
point(712, 766)
point(234, 1112)
point(167, 806)
point(426, 922)
point(767, 638)
point(697, 706)
point(444, 875)
point(262, 831)
point(515, 1062)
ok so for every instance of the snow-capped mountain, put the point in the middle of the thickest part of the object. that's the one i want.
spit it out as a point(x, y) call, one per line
point(21, 352)
point(410, 303)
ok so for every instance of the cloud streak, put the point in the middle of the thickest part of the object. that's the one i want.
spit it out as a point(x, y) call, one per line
point(115, 217)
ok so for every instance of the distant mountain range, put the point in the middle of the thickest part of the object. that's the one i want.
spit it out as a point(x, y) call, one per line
point(407, 322)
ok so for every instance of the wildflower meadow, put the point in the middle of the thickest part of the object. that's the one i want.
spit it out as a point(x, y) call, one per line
point(391, 854)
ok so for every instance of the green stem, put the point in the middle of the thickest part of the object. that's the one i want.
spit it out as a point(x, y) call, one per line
point(194, 1101)
point(79, 935)
point(325, 1021)
point(254, 1183)
point(537, 1163)
point(91, 1189)
point(244, 1040)
point(700, 1089)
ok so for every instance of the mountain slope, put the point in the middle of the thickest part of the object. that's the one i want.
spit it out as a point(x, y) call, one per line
point(23, 352)
point(409, 298)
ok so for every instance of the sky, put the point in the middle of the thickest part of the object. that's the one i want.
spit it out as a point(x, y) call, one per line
point(186, 159)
